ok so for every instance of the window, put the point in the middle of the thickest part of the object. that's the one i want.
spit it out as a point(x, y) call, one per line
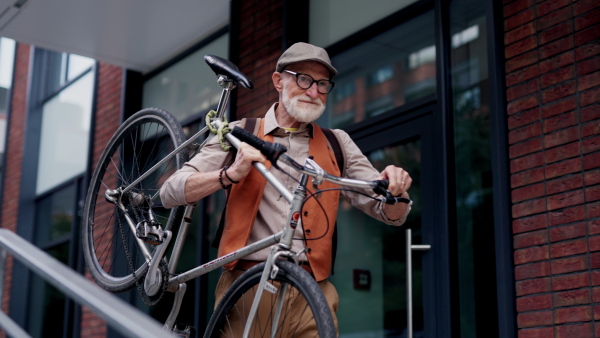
point(187, 88)
point(387, 71)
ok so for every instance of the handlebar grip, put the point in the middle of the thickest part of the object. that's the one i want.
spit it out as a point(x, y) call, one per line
point(272, 151)
point(248, 137)
point(381, 189)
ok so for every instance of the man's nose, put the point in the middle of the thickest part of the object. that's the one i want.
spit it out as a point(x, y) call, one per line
point(312, 91)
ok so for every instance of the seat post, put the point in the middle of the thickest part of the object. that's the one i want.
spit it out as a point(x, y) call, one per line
point(227, 85)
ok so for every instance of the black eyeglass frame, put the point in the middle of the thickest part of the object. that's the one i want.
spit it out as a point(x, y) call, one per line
point(313, 81)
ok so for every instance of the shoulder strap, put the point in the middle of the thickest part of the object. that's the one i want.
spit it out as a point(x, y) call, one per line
point(337, 149)
point(249, 124)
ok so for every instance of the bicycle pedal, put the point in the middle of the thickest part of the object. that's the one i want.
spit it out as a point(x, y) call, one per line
point(149, 233)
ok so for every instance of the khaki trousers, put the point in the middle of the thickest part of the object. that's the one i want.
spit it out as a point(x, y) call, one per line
point(299, 321)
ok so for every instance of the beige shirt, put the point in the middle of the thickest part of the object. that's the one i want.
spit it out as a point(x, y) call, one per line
point(273, 208)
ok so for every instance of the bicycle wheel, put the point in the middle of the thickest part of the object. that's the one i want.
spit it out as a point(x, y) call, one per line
point(111, 249)
point(304, 310)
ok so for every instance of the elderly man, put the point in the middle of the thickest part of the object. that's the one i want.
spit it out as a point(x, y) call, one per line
point(303, 78)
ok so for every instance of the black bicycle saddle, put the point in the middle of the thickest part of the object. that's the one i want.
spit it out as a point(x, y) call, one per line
point(226, 68)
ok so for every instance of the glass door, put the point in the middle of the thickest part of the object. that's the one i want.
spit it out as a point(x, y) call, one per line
point(371, 267)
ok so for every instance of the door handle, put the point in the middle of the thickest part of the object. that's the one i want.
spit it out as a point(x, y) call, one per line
point(409, 302)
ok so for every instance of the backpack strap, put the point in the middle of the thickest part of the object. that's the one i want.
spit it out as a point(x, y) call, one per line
point(249, 124)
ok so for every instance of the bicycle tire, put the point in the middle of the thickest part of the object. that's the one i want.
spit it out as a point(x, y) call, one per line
point(238, 299)
point(109, 248)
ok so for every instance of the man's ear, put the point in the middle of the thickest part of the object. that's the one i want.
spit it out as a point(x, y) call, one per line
point(277, 81)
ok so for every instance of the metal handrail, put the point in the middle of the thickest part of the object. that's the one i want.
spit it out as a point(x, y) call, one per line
point(118, 314)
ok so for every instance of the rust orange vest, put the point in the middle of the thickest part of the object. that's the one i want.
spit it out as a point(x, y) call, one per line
point(318, 222)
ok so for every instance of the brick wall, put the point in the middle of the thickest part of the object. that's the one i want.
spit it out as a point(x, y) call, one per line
point(260, 44)
point(14, 159)
point(552, 51)
point(108, 116)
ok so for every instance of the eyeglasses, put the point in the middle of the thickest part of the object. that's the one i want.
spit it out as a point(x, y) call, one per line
point(305, 81)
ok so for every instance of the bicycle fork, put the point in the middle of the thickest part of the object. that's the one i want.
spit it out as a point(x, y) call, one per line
point(271, 269)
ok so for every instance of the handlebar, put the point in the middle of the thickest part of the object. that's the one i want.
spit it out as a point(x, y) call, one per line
point(275, 152)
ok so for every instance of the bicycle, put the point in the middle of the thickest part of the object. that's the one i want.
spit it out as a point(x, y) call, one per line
point(125, 244)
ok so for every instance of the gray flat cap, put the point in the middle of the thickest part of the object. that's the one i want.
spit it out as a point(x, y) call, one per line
point(301, 51)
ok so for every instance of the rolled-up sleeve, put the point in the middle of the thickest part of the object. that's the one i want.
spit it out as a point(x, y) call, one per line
point(211, 157)
point(358, 166)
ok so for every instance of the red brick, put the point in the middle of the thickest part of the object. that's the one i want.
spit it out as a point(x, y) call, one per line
point(589, 129)
point(573, 314)
point(519, 33)
point(566, 199)
point(532, 303)
point(561, 137)
point(569, 298)
point(559, 76)
point(555, 32)
point(568, 232)
point(532, 286)
point(562, 153)
point(591, 161)
point(595, 260)
point(523, 104)
point(579, 330)
point(530, 255)
point(529, 223)
point(520, 47)
point(564, 183)
point(521, 90)
point(527, 177)
point(591, 177)
point(538, 332)
point(550, 6)
point(528, 239)
point(594, 243)
point(558, 92)
point(529, 208)
point(524, 118)
point(521, 61)
point(560, 121)
point(517, 6)
point(556, 62)
point(595, 277)
point(583, 6)
point(518, 20)
point(592, 193)
point(567, 265)
point(589, 97)
point(553, 18)
point(526, 162)
point(533, 270)
point(590, 144)
point(586, 35)
point(588, 81)
point(559, 107)
point(587, 50)
point(570, 282)
point(596, 295)
point(528, 192)
point(531, 319)
point(556, 47)
point(588, 66)
point(524, 148)
point(521, 75)
point(568, 215)
point(590, 113)
point(587, 19)
point(592, 210)
point(569, 248)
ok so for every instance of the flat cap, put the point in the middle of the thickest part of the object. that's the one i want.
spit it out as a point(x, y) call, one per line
point(301, 51)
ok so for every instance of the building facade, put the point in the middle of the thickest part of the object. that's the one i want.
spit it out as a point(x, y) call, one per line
point(493, 107)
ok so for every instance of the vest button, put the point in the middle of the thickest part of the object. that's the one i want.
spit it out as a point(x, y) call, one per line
point(308, 231)
point(306, 213)
point(308, 250)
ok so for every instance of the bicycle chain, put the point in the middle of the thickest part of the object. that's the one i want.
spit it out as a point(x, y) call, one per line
point(163, 267)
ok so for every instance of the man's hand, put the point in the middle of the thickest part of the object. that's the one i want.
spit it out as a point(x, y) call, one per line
point(399, 179)
point(242, 165)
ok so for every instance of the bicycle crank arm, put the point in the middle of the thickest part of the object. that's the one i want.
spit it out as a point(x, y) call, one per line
point(154, 277)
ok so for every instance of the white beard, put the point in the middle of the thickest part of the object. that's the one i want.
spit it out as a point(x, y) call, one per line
point(302, 112)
